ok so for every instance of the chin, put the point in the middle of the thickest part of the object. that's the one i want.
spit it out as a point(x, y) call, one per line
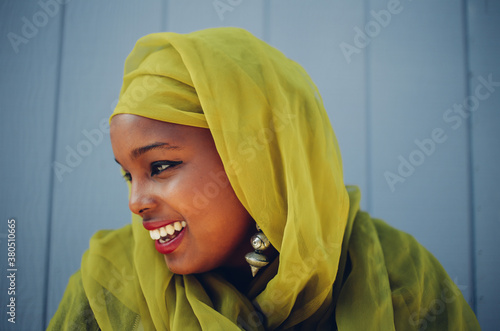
point(180, 268)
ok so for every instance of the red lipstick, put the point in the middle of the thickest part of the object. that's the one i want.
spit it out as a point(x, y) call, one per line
point(171, 231)
point(171, 245)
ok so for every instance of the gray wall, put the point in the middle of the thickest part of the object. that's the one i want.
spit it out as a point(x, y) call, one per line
point(387, 89)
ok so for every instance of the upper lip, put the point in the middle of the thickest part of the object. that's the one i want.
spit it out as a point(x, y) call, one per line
point(153, 225)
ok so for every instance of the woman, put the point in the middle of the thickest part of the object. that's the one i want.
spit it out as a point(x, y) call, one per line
point(223, 139)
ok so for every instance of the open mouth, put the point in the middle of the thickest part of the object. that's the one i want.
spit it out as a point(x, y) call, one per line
point(167, 232)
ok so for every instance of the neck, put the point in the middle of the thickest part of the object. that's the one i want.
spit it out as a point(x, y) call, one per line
point(240, 276)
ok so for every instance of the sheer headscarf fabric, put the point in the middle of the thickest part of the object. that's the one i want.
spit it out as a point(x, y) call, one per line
point(336, 266)
point(274, 138)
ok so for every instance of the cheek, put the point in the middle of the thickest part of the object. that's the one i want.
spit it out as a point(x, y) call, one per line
point(208, 189)
point(211, 199)
point(228, 217)
point(193, 195)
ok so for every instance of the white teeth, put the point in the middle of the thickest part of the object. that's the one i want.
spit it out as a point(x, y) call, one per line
point(164, 241)
point(167, 230)
point(163, 232)
point(155, 234)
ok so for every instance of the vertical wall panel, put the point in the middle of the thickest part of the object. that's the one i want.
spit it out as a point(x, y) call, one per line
point(383, 90)
point(312, 33)
point(28, 88)
point(191, 15)
point(484, 58)
point(97, 38)
point(417, 72)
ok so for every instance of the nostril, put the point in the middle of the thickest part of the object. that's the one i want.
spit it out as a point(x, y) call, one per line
point(143, 210)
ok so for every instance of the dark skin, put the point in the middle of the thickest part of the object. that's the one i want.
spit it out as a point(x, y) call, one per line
point(177, 174)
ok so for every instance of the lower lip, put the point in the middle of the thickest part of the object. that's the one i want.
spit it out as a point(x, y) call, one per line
point(171, 245)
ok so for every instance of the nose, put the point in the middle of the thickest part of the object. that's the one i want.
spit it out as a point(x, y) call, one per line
point(141, 198)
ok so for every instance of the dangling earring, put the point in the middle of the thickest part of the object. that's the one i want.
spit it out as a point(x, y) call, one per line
point(256, 259)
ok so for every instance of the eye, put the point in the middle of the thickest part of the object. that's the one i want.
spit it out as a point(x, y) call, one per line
point(160, 166)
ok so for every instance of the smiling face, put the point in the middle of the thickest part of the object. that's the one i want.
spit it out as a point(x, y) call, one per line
point(178, 183)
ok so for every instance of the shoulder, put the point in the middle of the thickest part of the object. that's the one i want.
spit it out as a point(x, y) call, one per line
point(89, 302)
point(408, 277)
point(74, 312)
point(402, 254)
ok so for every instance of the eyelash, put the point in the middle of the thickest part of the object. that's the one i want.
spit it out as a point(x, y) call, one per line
point(156, 168)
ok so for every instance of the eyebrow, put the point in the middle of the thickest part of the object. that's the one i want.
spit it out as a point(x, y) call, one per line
point(141, 150)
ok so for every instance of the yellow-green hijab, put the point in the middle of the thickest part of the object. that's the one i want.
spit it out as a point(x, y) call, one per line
point(282, 159)
point(275, 141)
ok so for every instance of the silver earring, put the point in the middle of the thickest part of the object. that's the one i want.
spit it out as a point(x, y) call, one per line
point(256, 259)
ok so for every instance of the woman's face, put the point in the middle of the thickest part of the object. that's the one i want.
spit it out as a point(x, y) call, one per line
point(182, 193)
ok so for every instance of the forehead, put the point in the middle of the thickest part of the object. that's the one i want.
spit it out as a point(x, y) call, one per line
point(132, 131)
